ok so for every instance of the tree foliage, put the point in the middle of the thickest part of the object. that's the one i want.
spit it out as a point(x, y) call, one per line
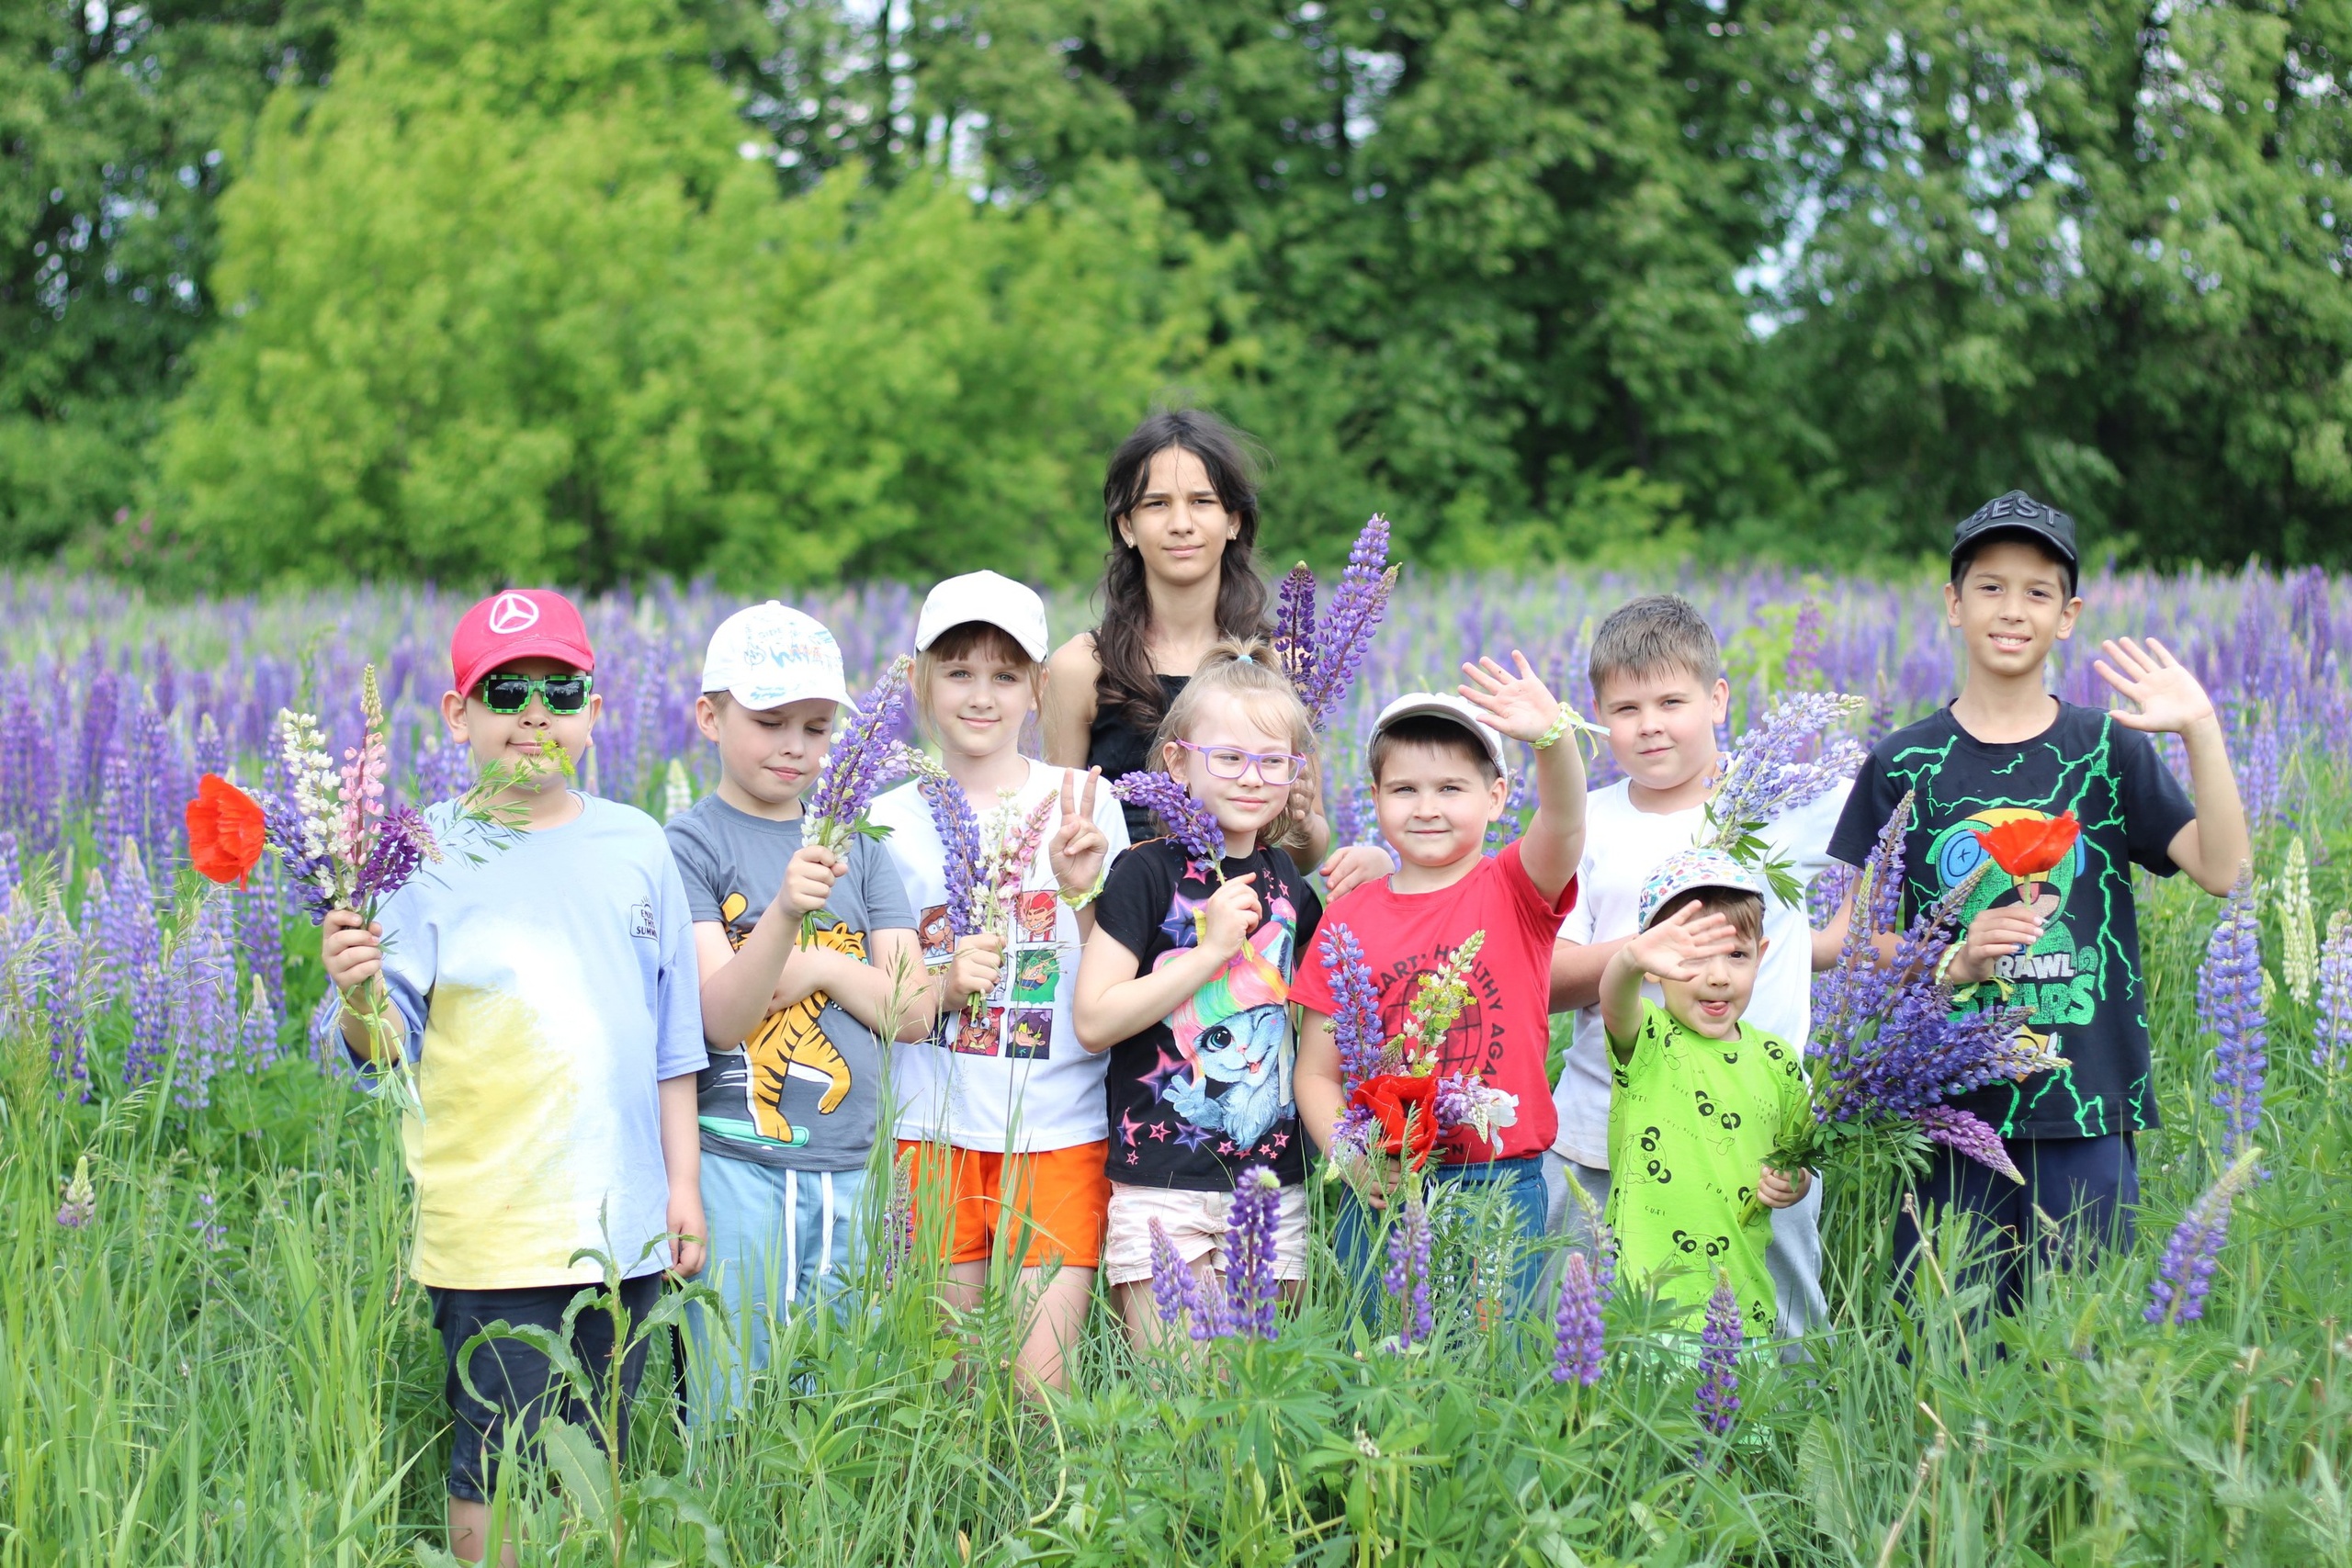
point(808, 289)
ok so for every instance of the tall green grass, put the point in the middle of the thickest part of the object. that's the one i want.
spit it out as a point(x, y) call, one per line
point(268, 1391)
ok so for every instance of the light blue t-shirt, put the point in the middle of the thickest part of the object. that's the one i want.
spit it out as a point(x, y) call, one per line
point(549, 983)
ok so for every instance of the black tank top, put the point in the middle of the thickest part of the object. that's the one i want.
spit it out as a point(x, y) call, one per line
point(1116, 746)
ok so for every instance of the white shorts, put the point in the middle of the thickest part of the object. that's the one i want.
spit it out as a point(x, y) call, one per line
point(1196, 1223)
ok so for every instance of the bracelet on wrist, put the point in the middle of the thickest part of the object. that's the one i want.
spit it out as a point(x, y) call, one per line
point(1081, 900)
point(1560, 727)
point(1944, 966)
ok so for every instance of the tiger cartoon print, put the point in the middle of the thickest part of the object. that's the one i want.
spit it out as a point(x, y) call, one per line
point(788, 1043)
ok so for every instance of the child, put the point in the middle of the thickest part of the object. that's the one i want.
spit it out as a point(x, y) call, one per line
point(1657, 686)
point(1186, 983)
point(1000, 1112)
point(1439, 778)
point(542, 982)
point(1699, 1095)
point(2006, 750)
point(791, 1098)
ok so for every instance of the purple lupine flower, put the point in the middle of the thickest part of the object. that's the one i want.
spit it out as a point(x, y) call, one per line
point(1294, 625)
point(98, 742)
point(1408, 1280)
point(1347, 804)
point(2186, 1271)
point(30, 804)
point(443, 772)
point(211, 747)
point(1787, 761)
point(158, 786)
point(2229, 1007)
point(1717, 1403)
point(959, 835)
point(2333, 1037)
point(405, 841)
point(81, 1204)
point(1251, 1289)
point(1356, 1027)
point(210, 1235)
point(1803, 666)
point(204, 1025)
point(1576, 1328)
point(1967, 1133)
point(1345, 634)
point(258, 903)
point(860, 761)
point(118, 819)
point(1192, 826)
point(1174, 1285)
point(67, 1010)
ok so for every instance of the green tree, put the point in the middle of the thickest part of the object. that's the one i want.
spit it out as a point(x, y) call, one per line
point(518, 298)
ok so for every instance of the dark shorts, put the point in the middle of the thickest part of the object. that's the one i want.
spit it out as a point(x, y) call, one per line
point(515, 1379)
point(2089, 1188)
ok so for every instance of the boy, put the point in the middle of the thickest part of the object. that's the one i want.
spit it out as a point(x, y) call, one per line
point(793, 1090)
point(1657, 684)
point(1438, 777)
point(2005, 748)
point(1700, 1095)
point(543, 984)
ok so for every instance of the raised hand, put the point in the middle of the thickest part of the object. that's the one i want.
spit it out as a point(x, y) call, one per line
point(1519, 704)
point(1675, 947)
point(1079, 846)
point(808, 878)
point(2170, 699)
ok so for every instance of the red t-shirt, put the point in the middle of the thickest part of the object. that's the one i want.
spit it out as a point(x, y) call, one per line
point(1505, 1032)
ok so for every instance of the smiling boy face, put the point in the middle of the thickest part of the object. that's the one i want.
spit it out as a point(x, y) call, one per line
point(771, 755)
point(2011, 605)
point(1662, 723)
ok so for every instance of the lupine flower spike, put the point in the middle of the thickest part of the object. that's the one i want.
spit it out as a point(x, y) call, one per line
point(81, 1205)
point(2186, 1271)
point(2333, 1037)
point(1192, 825)
point(1785, 762)
point(1251, 1290)
point(1408, 1278)
point(1576, 1328)
point(2230, 1008)
point(1717, 1405)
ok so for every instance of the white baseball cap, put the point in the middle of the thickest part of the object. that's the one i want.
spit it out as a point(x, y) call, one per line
point(772, 654)
point(1446, 706)
point(1011, 608)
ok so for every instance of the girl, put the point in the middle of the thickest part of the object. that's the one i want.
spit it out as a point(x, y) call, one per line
point(1000, 1109)
point(1181, 505)
point(1186, 984)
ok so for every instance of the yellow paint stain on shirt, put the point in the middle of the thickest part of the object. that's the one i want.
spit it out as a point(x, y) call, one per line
point(496, 1161)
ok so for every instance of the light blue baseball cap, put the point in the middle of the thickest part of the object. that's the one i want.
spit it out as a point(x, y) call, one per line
point(772, 654)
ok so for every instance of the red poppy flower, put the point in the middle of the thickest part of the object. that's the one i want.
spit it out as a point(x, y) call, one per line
point(2026, 847)
point(225, 830)
point(1407, 1106)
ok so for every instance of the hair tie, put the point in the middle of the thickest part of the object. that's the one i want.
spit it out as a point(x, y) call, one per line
point(1245, 659)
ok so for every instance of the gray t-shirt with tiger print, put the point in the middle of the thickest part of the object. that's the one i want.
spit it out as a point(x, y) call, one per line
point(804, 1092)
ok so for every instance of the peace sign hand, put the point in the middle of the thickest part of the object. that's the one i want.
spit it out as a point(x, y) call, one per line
point(2171, 701)
point(1079, 846)
point(1518, 704)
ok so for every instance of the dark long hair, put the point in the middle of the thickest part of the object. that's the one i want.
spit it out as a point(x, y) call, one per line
point(1127, 684)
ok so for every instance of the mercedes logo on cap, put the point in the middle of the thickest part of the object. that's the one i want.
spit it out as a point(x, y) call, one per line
point(512, 611)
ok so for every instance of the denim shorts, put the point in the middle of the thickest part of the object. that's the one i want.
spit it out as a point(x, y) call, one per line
point(515, 1381)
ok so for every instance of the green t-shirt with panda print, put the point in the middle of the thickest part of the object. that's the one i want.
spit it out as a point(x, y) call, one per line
point(1691, 1120)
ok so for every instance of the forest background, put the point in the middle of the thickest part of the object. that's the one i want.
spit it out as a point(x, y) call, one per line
point(809, 290)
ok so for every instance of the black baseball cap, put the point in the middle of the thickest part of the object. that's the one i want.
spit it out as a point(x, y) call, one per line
point(2018, 512)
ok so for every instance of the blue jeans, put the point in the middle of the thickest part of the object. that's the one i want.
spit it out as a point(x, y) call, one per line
point(1360, 1238)
point(781, 1241)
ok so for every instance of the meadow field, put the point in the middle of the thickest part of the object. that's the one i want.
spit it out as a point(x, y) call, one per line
point(209, 1353)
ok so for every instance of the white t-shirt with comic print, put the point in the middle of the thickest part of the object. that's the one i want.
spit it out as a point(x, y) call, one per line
point(1623, 846)
point(1018, 1081)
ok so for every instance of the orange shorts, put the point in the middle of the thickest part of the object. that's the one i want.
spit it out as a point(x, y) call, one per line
point(1053, 1201)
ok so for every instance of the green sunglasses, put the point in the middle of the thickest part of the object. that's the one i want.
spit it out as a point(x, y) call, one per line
point(564, 695)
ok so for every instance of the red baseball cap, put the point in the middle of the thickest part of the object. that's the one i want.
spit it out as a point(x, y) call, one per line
point(520, 623)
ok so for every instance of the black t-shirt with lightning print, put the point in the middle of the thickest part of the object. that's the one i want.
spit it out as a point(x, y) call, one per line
point(2082, 982)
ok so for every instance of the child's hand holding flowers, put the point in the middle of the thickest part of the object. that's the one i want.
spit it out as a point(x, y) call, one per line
point(1775, 1191)
point(1232, 913)
point(808, 878)
point(977, 962)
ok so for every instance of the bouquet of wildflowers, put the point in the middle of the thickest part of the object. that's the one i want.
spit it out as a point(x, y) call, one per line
point(1779, 765)
point(985, 862)
point(342, 845)
point(1322, 660)
point(1399, 1101)
point(1888, 1047)
point(868, 755)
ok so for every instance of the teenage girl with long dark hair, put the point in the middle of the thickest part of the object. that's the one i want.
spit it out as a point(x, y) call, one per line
point(1181, 505)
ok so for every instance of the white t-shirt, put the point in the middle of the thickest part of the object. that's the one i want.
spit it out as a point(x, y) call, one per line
point(1019, 1082)
point(1623, 846)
